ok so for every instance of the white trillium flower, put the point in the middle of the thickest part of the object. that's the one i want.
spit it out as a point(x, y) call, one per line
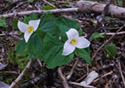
point(28, 29)
point(74, 41)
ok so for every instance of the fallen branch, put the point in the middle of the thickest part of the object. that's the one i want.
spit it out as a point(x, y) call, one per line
point(90, 6)
point(120, 70)
point(39, 12)
point(71, 72)
point(119, 33)
point(64, 81)
point(83, 6)
point(109, 73)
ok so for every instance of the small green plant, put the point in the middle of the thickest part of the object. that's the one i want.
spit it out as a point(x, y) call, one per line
point(120, 2)
point(96, 35)
point(111, 49)
point(55, 40)
point(3, 22)
point(20, 61)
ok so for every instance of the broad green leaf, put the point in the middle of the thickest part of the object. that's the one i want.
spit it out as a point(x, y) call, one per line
point(33, 48)
point(96, 35)
point(22, 48)
point(48, 23)
point(65, 24)
point(47, 7)
point(31, 17)
point(53, 25)
point(3, 22)
point(50, 41)
point(120, 2)
point(52, 48)
point(31, 0)
point(14, 24)
point(85, 54)
point(80, 31)
point(111, 49)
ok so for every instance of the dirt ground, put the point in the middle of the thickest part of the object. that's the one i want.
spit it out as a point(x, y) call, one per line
point(111, 70)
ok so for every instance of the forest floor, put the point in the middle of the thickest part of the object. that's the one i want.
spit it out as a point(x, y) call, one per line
point(111, 70)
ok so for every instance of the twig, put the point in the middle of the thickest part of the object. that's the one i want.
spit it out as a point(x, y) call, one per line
point(40, 12)
point(109, 73)
point(71, 72)
point(49, 3)
point(120, 70)
point(79, 84)
point(119, 33)
point(11, 72)
point(21, 75)
point(106, 42)
point(64, 81)
point(39, 62)
point(41, 77)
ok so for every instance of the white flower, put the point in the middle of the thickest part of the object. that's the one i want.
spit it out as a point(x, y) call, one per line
point(74, 41)
point(28, 29)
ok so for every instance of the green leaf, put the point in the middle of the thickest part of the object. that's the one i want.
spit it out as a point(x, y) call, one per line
point(65, 24)
point(31, 17)
point(14, 24)
point(3, 22)
point(53, 25)
point(31, 0)
point(80, 31)
point(94, 23)
point(52, 48)
point(33, 48)
point(47, 7)
point(21, 48)
point(85, 54)
point(96, 35)
point(111, 49)
point(67, 4)
point(120, 2)
point(48, 23)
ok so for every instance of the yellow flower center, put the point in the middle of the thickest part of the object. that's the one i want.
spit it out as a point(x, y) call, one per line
point(30, 29)
point(73, 41)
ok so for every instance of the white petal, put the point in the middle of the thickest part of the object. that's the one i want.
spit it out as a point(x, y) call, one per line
point(27, 36)
point(22, 26)
point(34, 23)
point(82, 42)
point(68, 48)
point(72, 33)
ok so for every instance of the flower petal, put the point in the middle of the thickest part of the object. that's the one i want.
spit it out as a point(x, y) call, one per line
point(72, 33)
point(68, 48)
point(22, 26)
point(34, 23)
point(82, 42)
point(27, 36)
